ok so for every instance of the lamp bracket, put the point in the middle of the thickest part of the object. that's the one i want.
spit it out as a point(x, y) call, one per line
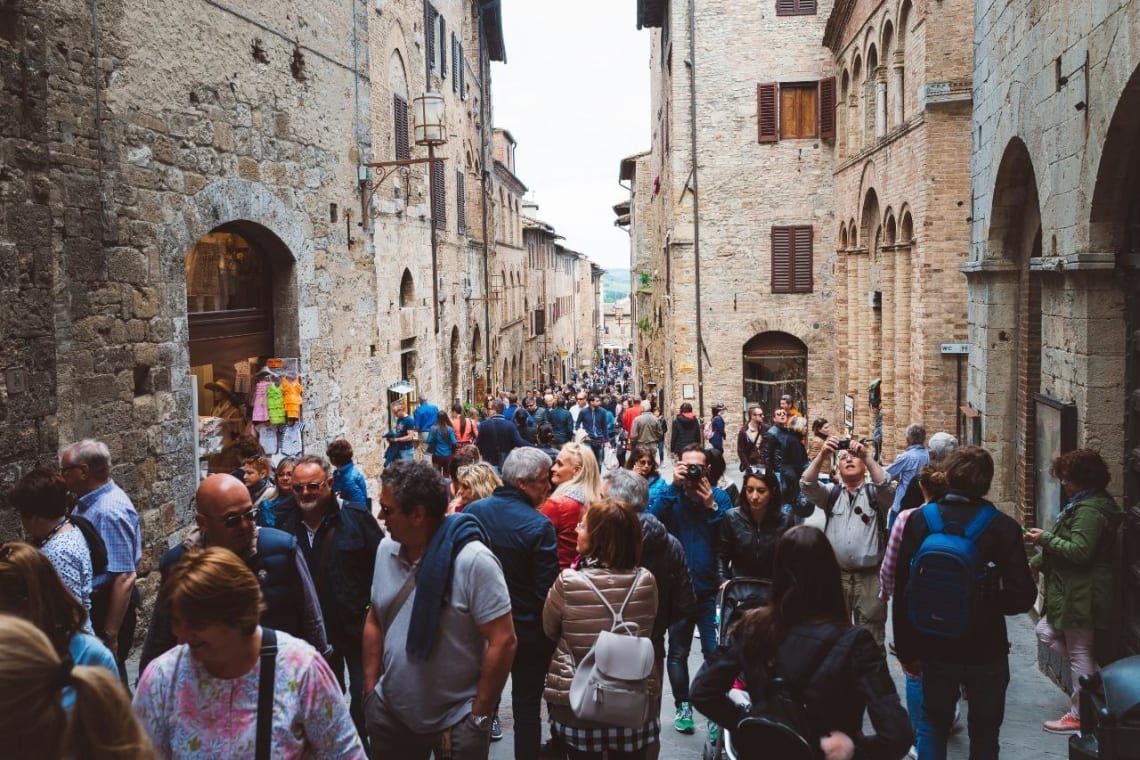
point(367, 190)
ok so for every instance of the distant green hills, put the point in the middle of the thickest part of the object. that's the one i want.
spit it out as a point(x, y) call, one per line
point(615, 285)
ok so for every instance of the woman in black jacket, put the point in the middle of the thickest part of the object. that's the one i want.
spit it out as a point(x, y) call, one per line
point(805, 636)
point(686, 430)
point(748, 533)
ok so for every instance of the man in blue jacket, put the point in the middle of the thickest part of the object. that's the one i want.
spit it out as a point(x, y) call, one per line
point(691, 509)
point(523, 540)
point(498, 437)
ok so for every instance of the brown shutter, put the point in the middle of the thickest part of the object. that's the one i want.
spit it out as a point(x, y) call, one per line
point(786, 7)
point(429, 36)
point(461, 200)
point(438, 195)
point(801, 259)
point(767, 99)
point(455, 62)
point(827, 108)
point(805, 7)
point(781, 259)
point(400, 128)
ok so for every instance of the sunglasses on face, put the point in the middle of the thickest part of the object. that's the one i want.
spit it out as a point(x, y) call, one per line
point(237, 518)
point(302, 487)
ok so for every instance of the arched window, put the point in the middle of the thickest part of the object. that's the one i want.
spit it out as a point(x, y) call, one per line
point(775, 363)
point(891, 84)
point(407, 290)
point(904, 22)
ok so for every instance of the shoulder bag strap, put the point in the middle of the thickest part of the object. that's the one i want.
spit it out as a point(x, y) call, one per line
point(265, 693)
point(618, 620)
point(399, 600)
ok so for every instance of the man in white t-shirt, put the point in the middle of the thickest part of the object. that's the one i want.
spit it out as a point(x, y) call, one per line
point(433, 670)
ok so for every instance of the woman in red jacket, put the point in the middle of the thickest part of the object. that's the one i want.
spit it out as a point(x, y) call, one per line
point(576, 482)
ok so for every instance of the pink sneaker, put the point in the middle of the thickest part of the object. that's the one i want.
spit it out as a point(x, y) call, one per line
point(1066, 724)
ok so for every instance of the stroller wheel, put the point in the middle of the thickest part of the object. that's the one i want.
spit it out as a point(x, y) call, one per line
point(713, 750)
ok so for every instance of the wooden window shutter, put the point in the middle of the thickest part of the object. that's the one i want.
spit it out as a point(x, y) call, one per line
point(429, 38)
point(767, 112)
point(461, 65)
point(461, 200)
point(438, 195)
point(827, 108)
point(786, 7)
point(442, 46)
point(400, 128)
point(781, 259)
point(455, 62)
point(801, 259)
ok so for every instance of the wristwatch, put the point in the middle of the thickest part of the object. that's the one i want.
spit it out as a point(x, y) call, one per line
point(481, 721)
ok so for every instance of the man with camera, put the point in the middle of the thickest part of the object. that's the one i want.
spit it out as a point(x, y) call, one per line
point(856, 513)
point(692, 508)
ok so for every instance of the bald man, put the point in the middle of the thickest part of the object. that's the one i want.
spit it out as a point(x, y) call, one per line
point(226, 517)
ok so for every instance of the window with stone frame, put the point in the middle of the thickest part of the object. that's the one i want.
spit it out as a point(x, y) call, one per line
point(792, 259)
point(795, 7)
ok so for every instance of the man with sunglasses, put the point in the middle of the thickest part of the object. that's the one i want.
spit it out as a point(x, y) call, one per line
point(225, 517)
point(339, 541)
point(856, 513)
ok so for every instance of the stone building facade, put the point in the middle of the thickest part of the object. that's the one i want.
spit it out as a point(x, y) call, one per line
point(511, 310)
point(744, 278)
point(1052, 271)
point(902, 195)
point(152, 149)
point(552, 283)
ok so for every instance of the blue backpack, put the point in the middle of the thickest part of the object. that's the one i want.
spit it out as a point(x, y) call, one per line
point(945, 574)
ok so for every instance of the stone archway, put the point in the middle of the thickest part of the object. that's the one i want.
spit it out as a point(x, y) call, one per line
point(775, 363)
point(1011, 328)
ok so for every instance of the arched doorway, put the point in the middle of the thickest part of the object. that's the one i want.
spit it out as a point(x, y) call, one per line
point(1014, 348)
point(236, 277)
point(775, 363)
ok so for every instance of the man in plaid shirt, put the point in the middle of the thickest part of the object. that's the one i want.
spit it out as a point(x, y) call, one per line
point(86, 468)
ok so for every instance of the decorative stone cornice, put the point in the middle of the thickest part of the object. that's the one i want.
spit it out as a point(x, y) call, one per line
point(983, 267)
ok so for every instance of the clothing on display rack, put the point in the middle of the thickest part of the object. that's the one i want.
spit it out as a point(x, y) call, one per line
point(291, 390)
point(275, 402)
point(260, 410)
point(291, 440)
point(267, 437)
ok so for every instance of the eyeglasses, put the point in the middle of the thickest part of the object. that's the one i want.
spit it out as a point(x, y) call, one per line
point(237, 518)
point(302, 487)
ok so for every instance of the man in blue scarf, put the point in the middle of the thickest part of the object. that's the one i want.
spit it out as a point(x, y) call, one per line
point(439, 639)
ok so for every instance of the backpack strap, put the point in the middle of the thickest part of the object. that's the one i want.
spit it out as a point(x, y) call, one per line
point(933, 517)
point(264, 740)
point(980, 522)
point(619, 621)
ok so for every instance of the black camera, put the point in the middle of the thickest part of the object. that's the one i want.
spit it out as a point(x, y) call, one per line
point(843, 443)
point(694, 472)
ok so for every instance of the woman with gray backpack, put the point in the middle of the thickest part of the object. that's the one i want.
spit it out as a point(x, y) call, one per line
point(602, 684)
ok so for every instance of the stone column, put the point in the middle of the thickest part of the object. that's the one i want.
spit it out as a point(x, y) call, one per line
point(863, 326)
point(903, 371)
point(842, 350)
point(881, 104)
point(855, 124)
point(852, 319)
point(886, 358)
point(899, 71)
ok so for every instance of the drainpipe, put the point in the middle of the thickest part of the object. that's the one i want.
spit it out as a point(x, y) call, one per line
point(484, 176)
point(696, 198)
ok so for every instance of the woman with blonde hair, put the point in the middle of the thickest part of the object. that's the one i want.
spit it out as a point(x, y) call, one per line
point(30, 588)
point(35, 685)
point(474, 481)
point(576, 482)
point(204, 696)
point(607, 589)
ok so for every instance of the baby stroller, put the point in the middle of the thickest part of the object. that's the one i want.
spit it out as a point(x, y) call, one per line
point(737, 597)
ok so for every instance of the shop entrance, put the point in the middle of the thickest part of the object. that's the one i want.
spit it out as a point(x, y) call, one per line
point(775, 363)
point(237, 276)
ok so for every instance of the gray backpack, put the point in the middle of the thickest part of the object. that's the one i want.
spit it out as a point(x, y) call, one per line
point(611, 683)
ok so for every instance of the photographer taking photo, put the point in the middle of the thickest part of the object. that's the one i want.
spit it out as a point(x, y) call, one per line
point(692, 508)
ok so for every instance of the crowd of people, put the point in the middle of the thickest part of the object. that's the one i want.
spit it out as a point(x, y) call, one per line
point(517, 546)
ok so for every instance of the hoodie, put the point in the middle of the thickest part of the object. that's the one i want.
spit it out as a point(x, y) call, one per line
point(686, 430)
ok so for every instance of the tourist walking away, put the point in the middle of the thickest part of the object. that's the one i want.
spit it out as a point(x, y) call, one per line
point(856, 514)
point(426, 414)
point(86, 468)
point(35, 678)
point(802, 649)
point(949, 627)
point(441, 443)
point(348, 481)
point(561, 421)
point(234, 684)
point(1076, 560)
point(522, 539)
point(686, 431)
point(224, 516)
point(907, 465)
point(440, 616)
point(338, 540)
point(498, 436)
point(608, 595)
point(691, 508)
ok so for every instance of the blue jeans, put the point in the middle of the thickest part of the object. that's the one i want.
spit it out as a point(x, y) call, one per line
point(986, 684)
point(923, 734)
point(681, 642)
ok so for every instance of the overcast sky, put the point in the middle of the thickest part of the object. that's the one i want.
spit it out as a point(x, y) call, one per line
point(574, 93)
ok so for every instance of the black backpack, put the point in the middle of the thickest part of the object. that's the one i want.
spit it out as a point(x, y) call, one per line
point(780, 727)
point(95, 543)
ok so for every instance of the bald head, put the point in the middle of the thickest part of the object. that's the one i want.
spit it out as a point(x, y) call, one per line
point(221, 498)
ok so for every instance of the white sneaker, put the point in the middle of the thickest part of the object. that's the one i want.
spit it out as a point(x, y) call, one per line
point(913, 753)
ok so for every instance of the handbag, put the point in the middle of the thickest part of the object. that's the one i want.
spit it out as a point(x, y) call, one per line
point(611, 683)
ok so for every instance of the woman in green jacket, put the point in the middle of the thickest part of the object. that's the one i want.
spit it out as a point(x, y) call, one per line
point(1076, 561)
